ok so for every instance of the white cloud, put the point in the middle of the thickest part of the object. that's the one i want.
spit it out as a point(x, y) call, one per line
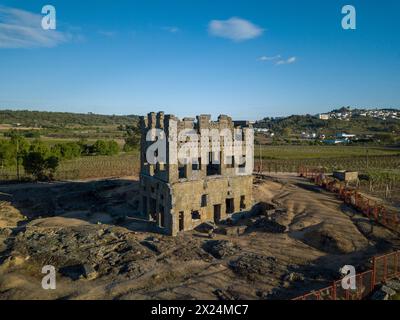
point(287, 61)
point(23, 29)
point(171, 29)
point(267, 58)
point(235, 29)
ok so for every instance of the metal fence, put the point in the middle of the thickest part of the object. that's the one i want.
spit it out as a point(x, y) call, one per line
point(371, 208)
point(386, 267)
point(383, 268)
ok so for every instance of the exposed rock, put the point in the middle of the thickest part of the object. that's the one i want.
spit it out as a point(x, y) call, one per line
point(379, 295)
point(264, 208)
point(206, 227)
point(232, 230)
point(191, 251)
point(89, 272)
point(393, 284)
point(221, 248)
point(388, 290)
point(224, 295)
point(268, 225)
point(365, 226)
point(252, 265)
point(73, 272)
point(384, 292)
point(88, 251)
point(151, 245)
point(293, 277)
point(5, 232)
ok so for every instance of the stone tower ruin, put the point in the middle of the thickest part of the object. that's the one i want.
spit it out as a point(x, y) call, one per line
point(180, 196)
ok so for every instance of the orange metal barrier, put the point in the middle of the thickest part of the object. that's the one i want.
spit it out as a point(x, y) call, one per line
point(372, 209)
point(383, 268)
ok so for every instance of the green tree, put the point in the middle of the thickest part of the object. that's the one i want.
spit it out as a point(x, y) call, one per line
point(113, 147)
point(385, 138)
point(102, 147)
point(38, 146)
point(68, 150)
point(286, 132)
point(132, 138)
point(7, 155)
point(40, 166)
point(19, 147)
point(85, 147)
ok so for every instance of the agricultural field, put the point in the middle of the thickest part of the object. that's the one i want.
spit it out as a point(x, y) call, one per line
point(123, 164)
point(274, 159)
point(289, 158)
point(378, 167)
point(288, 152)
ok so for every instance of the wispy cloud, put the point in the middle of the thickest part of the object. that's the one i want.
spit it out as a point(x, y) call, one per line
point(277, 59)
point(171, 29)
point(269, 58)
point(108, 34)
point(235, 29)
point(23, 29)
point(287, 61)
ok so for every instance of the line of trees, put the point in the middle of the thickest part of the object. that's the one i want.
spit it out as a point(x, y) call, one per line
point(132, 137)
point(45, 119)
point(41, 160)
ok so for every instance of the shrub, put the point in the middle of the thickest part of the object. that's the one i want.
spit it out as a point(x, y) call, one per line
point(105, 148)
point(38, 146)
point(69, 150)
point(132, 138)
point(40, 166)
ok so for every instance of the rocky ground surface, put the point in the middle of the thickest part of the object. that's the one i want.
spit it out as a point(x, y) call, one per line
point(390, 290)
point(296, 239)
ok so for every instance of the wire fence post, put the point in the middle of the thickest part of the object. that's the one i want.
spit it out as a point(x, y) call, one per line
point(373, 273)
point(334, 290)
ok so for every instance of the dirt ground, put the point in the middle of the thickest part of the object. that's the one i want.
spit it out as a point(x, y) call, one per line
point(293, 243)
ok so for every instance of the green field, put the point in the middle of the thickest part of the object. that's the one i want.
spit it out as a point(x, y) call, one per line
point(290, 158)
point(320, 152)
point(123, 164)
point(50, 141)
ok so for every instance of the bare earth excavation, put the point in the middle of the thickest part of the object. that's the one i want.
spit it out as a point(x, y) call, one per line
point(296, 239)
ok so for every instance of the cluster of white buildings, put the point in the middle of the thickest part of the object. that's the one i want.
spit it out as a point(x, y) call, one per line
point(343, 115)
point(265, 131)
point(347, 114)
point(306, 135)
point(381, 114)
point(339, 138)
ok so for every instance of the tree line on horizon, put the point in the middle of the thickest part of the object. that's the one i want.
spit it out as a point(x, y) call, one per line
point(48, 119)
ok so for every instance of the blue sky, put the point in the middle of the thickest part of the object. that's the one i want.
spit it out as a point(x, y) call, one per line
point(248, 59)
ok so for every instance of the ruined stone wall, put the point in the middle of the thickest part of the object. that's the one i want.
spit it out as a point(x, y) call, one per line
point(179, 197)
point(188, 198)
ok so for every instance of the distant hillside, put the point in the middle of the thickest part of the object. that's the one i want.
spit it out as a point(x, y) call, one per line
point(344, 119)
point(346, 113)
point(44, 119)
